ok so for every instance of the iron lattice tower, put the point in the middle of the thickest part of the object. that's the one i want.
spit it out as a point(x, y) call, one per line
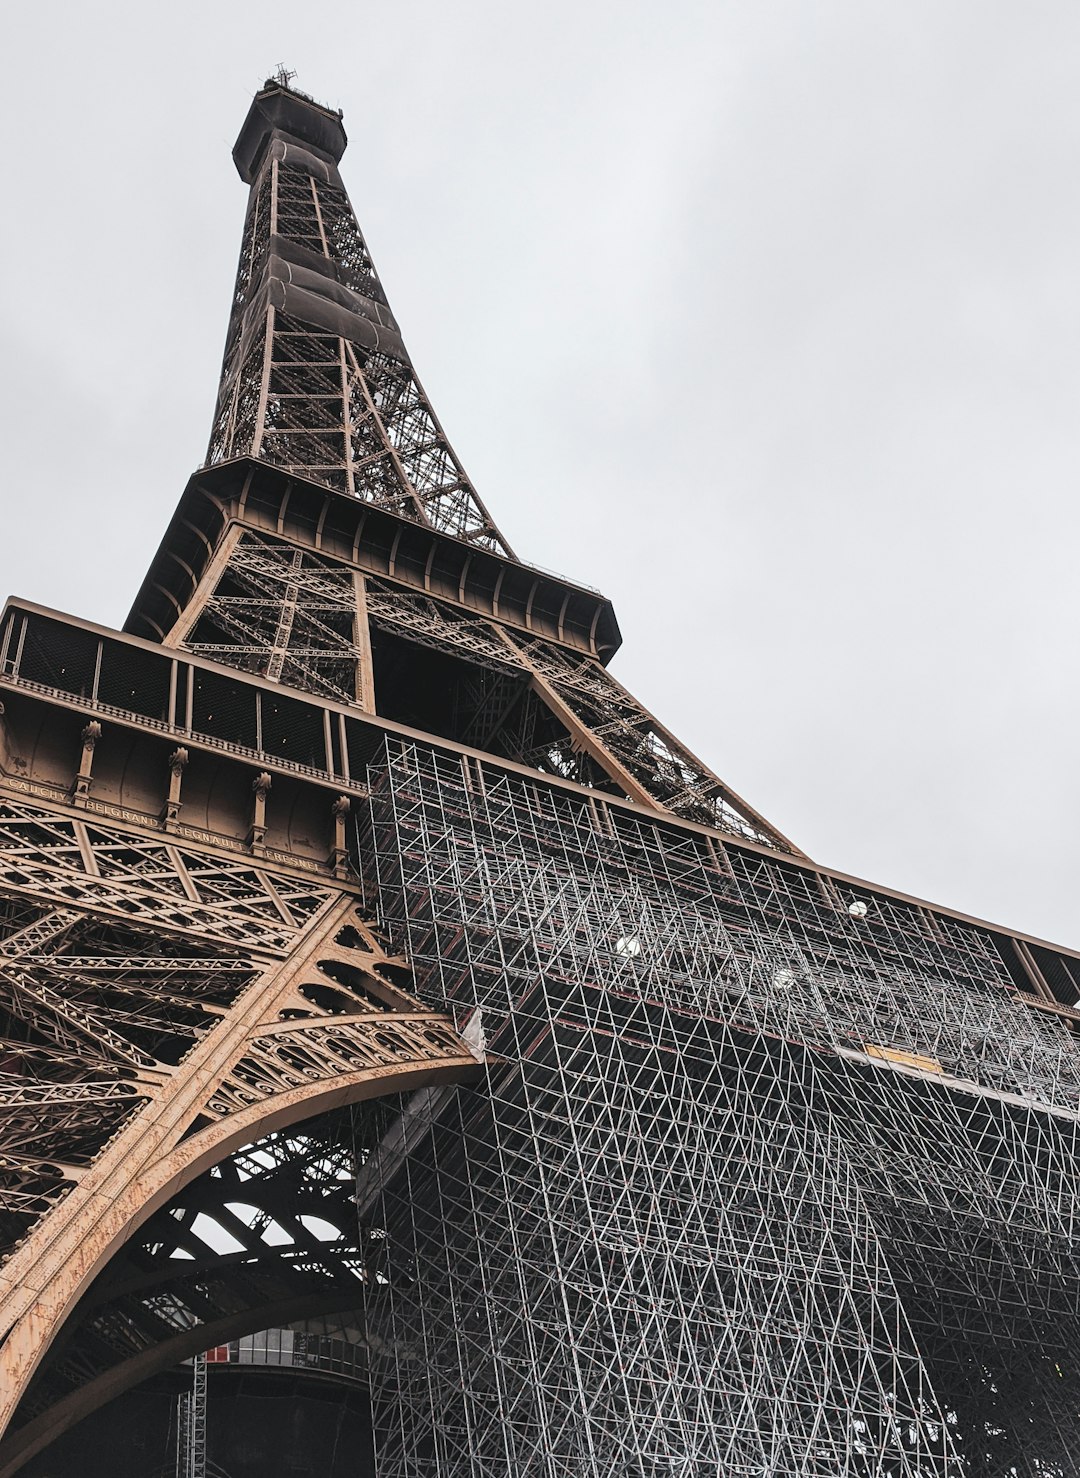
point(347, 902)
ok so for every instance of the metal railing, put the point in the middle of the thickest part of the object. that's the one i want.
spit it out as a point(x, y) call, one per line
point(295, 1349)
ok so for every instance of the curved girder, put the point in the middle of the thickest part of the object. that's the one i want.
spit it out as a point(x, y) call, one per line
point(316, 1031)
point(169, 1293)
point(26, 1442)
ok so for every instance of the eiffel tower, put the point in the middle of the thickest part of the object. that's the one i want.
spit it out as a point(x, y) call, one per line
point(370, 953)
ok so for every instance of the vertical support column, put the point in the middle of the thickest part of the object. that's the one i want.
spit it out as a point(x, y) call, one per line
point(177, 765)
point(197, 1449)
point(365, 672)
point(80, 788)
point(346, 416)
point(339, 856)
point(268, 346)
point(191, 1424)
point(282, 635)
point(1039, 983)
point(183, 1434)
point(260, 788)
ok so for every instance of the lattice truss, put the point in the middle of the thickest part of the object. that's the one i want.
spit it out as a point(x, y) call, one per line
point(315, 378)
point(628, 742)
point(285, 614)
point(156, 1002)
point(295, 617)
point(116, 954)
point(704, 1222)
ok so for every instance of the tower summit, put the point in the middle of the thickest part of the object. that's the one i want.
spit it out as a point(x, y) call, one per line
point(281, 112)
point(368, 954)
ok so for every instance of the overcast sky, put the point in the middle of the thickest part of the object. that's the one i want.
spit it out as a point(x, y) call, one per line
point(762, 316)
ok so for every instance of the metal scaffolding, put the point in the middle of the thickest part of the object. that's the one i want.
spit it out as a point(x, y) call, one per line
point(191, 1424)
point(763, 1185)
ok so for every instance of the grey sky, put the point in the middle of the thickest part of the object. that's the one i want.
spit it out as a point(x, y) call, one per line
point(763, 317)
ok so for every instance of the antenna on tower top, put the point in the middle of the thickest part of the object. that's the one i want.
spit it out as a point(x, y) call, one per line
point(283, 76)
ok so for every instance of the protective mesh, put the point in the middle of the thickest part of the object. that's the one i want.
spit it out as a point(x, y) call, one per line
point(756, 1187)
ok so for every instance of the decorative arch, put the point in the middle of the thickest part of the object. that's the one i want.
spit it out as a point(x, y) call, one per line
point(270, 1059)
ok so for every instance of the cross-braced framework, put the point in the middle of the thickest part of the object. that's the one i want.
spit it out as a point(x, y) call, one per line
point(313, 623)
point(763, 1188)
point(157, 1005)
point(315, 377)
point(118, 952)
point(605, 736)
point(191, 1425)
point(287, 615)
point(316, 381)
